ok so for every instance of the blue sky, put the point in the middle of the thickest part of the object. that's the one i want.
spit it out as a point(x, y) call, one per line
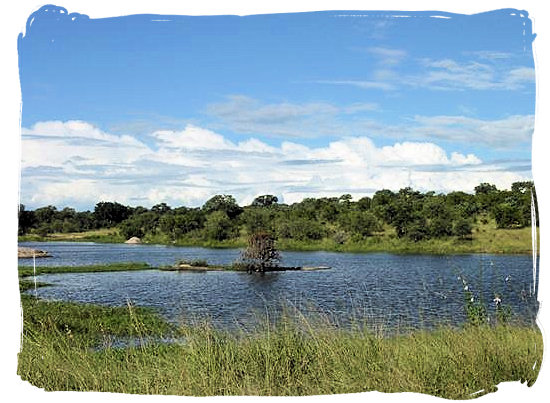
point(145, 109)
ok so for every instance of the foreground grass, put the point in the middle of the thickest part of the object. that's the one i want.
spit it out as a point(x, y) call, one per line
point(296, 357)
point(486, 238)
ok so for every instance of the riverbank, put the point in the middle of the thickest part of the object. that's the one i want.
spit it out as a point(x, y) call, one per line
point(485, 239)
point(77, 343)
point(25, 271)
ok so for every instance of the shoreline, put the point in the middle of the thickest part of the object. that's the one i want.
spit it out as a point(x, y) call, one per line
point(432, 247)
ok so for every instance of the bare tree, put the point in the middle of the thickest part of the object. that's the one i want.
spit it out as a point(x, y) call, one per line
point(260, 254)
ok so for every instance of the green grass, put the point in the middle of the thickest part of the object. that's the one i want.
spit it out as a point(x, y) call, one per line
point(295, 357)
point(122, 266)
point(486, 238)
point(103, 235)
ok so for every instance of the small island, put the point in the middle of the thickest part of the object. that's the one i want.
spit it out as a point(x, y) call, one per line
point(260, 256)
point(23, 252)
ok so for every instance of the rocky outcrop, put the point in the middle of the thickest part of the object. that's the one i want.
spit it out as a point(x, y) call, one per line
point(23, 252)
point(133, 240)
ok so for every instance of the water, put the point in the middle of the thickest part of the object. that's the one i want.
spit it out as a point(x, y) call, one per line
point(393, 291)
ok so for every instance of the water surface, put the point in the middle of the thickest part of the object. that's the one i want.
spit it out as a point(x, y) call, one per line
point(395, 291)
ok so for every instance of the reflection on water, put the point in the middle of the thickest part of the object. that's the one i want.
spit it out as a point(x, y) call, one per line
point(383, 289)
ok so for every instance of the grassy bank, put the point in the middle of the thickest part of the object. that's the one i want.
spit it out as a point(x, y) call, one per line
point(122, 266)
point(69, 347)
point(104, 235)
point(486, 238)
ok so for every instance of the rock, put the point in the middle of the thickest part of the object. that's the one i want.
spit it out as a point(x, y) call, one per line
point(133, 240)
point(23, 252)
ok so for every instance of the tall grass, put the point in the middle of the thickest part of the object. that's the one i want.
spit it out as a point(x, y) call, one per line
point(295, 356)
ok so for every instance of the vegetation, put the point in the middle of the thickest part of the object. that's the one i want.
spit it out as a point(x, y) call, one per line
point(489, 220)
point(122, 266)
point(69, 346)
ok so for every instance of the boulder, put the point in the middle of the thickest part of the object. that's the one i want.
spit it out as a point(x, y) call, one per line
point(23, 252)
point(133, 240)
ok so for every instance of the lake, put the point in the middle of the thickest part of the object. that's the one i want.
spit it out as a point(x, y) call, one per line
point(385, 290)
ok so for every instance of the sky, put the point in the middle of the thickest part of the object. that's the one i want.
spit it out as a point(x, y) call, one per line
point(148, 109)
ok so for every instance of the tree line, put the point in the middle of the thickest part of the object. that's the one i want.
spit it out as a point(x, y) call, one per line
point(412, 214)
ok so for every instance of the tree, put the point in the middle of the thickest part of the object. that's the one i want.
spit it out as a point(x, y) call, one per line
point(362, 223)
point(26, 219)
point(462, 228)
point(265, 201)
point(219, 226)
point(224, 203)
point(257, 219)
point(161, 208)
point(260, 254)
point(110, 213)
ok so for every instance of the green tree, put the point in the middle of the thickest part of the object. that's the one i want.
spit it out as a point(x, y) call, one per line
point(361, 223)
point(219, 226)
point(265, 201)
point(224, 203)
point(256, 219)
point(462, 228)
point(110, 213)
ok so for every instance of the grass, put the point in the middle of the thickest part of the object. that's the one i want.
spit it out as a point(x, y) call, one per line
point(103, 235)
point(297, 356)
point(486, 238)
point(122, 266)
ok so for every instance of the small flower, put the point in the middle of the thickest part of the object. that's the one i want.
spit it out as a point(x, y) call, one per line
point(497, 301)
point(472, 299)
point(465, 288)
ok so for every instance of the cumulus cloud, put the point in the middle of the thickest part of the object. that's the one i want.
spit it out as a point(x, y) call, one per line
point(60, 144)
point(187, 167)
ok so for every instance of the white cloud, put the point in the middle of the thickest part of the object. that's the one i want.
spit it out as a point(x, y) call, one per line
point(189, 166)
point(486, 73)
point(54, 143)
point(448, 74)
point(192, 137)
point(247, 115)
point(388, 56)
point(501, 133)
point(364, 84)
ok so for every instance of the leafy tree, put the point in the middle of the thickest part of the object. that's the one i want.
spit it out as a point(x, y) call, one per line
point(223, 203)
point(265, 201)
point(131, 228)
point(364, 203)
point(363, 223)
point(219, 226)
point(26, 219)
point(161, 208)
point(507, 216)
point(45, 214)
point(110, 213)
point(300, 229)
point(257, 219)
point(462, 228)
point(383, 204)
